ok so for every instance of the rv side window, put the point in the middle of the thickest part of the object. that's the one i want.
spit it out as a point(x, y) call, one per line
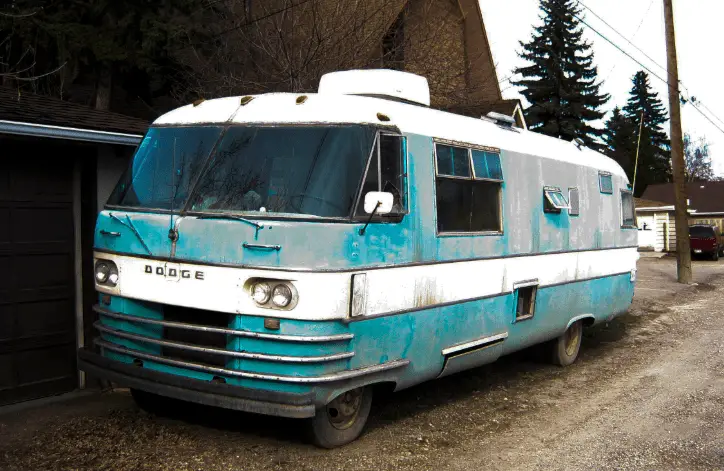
point(553, 200)
point(385, 172)
point(627, 209)
point(574, 202)
point(606, 183)
point(468, 189)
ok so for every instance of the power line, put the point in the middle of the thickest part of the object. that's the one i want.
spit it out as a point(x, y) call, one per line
point(693, 104)
point(263, 17)
point(698, 102)
point(624, 37)
point(638, 28)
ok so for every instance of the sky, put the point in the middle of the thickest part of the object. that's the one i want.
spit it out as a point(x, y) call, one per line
point(698, 25)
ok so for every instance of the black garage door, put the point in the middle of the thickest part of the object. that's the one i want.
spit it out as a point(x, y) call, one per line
point(37, 321)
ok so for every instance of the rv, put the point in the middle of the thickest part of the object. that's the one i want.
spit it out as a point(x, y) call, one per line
point(286, 254)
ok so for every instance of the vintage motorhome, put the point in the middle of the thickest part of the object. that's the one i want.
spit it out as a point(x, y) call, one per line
point(284, 254)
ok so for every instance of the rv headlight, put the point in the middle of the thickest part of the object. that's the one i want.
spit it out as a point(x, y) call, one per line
point(113, 279)
point(261, 292)
point(281, 296)
point(103, 271)
point(106, 273)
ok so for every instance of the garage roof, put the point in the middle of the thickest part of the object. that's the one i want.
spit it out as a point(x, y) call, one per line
point(29, 114)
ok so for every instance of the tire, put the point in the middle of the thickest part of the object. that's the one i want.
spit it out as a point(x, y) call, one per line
point(564, 350)
point(342, 420)
point(151, 403)
point(715, 256)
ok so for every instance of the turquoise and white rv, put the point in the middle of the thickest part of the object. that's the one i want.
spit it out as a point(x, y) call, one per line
point(285, 254)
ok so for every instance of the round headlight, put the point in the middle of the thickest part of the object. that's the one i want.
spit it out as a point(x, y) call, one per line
point(282, 295)
point(113, 279)
point(260, 293)
point(103, 271)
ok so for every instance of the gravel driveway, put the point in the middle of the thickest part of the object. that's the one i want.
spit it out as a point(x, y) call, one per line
point(646, 393)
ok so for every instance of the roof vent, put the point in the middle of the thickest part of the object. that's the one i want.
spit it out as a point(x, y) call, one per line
point(382, 83)
point(501, 119)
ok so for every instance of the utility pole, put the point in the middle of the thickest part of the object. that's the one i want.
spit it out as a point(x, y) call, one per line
point(683, 246)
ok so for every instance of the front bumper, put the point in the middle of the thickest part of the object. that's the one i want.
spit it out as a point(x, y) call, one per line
point(282, 404)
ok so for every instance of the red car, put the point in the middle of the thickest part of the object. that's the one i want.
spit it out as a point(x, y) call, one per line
point(706, 240)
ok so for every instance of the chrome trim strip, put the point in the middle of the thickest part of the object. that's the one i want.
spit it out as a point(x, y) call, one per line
point(227, 331)
point(327, 378)
point(474, 343)
point(99, 250)
point(220, 351)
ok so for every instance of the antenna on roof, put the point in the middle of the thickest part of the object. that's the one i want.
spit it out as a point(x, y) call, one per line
point(578, 142)
point(501, 119)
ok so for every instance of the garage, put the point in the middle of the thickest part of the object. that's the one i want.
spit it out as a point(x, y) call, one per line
point(58, 163)
point(37, 292)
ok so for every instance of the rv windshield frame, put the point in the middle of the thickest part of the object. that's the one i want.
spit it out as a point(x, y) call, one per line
point(372, 135)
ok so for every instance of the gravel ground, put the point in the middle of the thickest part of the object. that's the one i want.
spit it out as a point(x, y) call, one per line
point(646, 393)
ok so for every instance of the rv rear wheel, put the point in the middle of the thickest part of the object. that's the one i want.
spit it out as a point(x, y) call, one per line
point(342, 420)
point(564, 350)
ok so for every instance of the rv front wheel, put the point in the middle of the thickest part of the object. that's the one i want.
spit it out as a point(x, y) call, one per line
point(342, 420)
point(564, 350)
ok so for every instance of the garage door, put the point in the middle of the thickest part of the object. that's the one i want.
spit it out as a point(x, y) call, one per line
point(37, 340)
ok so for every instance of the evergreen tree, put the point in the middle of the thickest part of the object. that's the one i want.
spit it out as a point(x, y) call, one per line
point(619, 138)
point(561, 81)
point(622, 135)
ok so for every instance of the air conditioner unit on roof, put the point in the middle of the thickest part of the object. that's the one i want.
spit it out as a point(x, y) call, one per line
point(377, 83)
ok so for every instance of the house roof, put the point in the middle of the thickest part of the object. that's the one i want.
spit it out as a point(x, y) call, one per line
point(704, 197)
point(44, 110)
point(641, 203)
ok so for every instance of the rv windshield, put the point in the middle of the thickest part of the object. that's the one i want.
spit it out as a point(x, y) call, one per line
point(308, 170)
point(164, 167)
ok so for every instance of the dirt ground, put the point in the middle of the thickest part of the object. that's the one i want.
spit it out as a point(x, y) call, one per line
point(646, 393)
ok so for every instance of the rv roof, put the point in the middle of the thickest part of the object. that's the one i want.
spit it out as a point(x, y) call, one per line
point(282, 108)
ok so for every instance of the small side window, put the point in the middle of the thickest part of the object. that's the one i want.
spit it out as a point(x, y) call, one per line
point(574, 202)
point(553, 200)
point(605, 183)
point(628, 218)
point(525, 307)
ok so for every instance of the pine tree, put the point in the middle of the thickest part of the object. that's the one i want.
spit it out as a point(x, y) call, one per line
point(620, 140)
point(561, 82)
point(622, 135)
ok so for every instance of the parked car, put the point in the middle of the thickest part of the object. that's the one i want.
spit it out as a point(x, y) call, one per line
point(706, 240)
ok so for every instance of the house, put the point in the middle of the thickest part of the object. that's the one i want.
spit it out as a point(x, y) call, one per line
point(656, 224)
point(442, 40)
point(656, 209)
point(58, 163)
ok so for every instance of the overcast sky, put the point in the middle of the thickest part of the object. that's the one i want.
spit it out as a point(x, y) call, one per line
point(699, 41)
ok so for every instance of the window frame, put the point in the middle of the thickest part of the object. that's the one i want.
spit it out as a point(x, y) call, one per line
point(405, 196)
point(608, 175)
point(469, 147)
point(553, 207)
point(633, 211)
point(570, 199)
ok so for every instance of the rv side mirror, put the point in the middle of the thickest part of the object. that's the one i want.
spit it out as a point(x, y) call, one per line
point(385, 201)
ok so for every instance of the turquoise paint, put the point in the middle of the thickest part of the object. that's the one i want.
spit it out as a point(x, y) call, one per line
point(417, 336)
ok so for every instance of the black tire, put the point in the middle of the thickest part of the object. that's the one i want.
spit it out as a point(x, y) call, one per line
point(715, 256)
point(342, 420)
point(564, 350)
point(151, 403)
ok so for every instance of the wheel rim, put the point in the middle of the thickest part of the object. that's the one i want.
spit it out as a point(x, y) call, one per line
point(571, 340)
point(343, 411)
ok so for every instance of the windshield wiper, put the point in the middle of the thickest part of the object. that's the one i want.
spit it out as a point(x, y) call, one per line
point(133, 229)
point(233, 217)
